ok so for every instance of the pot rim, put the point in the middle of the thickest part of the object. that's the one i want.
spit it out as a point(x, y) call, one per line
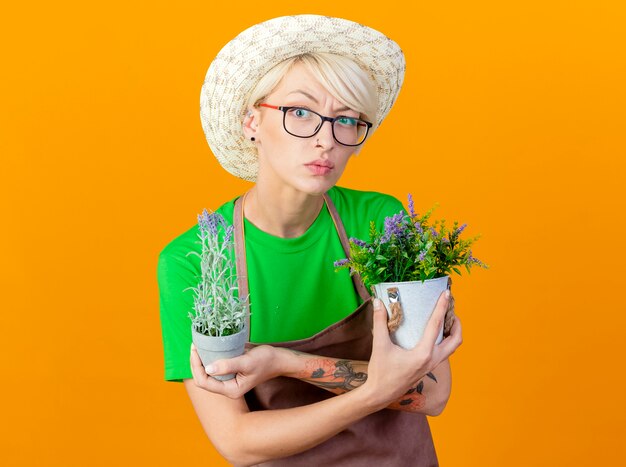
point(193, 330)
point(417, 281)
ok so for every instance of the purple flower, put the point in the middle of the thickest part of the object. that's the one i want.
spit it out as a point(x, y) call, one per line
point(422, 256)
point(209, 223)
point(418, 227)
point(341, 262)
point(445, 240)
point(229, 233)
point(433, 232)
point(203, 221)
point(358, 242)
point(460, 229)
point(395, 226)
point(411, 207)
point(471, 259)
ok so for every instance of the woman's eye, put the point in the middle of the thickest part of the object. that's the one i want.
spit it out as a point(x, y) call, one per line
point(301, 113)
point(347, 121)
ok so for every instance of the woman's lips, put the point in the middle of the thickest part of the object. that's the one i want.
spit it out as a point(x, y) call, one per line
point(320, 167)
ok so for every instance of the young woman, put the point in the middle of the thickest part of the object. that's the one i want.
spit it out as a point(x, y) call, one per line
point(286, 104)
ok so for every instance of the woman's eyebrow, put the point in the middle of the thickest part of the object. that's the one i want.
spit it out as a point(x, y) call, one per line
point(315, 100)
point(306, 94)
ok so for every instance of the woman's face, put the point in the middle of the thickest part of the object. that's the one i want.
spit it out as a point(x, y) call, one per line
point(308, 165)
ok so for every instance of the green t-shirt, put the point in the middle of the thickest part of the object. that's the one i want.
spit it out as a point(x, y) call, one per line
point(295, 291)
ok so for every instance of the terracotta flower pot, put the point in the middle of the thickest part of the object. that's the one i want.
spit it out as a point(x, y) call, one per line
point(418, 300)
point(212, 348)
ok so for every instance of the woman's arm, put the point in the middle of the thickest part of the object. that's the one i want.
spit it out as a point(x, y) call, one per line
point(245, 437)
point(429, 395)
point(248, 438)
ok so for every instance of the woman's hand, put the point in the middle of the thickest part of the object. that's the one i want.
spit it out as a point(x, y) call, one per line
point(449, 319)
point(252, 368)
point(392, 369)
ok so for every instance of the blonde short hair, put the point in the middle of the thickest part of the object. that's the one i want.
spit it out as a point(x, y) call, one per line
point(341, 76)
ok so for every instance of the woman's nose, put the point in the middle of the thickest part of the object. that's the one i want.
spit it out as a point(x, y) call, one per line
point(325, 136)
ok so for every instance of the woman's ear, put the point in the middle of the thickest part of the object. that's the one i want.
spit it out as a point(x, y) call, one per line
point(250, 124)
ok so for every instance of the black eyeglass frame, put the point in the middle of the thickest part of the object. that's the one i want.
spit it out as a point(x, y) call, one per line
point(332, 120)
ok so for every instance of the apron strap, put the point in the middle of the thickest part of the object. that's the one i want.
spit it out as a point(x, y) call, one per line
point(356, 279)
point(240, 250)
point(240, 255)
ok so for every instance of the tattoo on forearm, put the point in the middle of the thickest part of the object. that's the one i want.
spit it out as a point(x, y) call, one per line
point(431, 376)
point(340, 377)
point(337, 376)
point(410, 403)
point(413, 400)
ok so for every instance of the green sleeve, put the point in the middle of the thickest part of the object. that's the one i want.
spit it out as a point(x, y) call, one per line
point(175, 272)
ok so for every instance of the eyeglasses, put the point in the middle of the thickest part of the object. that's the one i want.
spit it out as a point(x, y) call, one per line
point(304, 123)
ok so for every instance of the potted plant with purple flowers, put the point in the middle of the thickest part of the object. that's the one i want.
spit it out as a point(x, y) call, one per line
point(408, 265)
point(218, 324)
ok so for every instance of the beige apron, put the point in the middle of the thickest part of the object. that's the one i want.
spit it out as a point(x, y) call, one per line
point(384, 438)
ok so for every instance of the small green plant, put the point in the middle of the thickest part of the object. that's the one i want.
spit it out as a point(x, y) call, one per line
point(219, 311)
point(409, 249)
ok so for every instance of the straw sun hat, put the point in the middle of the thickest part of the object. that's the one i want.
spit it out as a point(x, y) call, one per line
point(243, 61)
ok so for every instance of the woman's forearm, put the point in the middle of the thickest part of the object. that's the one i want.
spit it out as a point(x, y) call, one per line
point(428, 396)
point(260, 436)
point(248, 438)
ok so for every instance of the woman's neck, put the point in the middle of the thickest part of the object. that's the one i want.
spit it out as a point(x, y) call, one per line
point(286, 213)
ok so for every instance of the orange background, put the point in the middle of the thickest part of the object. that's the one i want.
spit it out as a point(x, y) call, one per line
point(511, 117)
